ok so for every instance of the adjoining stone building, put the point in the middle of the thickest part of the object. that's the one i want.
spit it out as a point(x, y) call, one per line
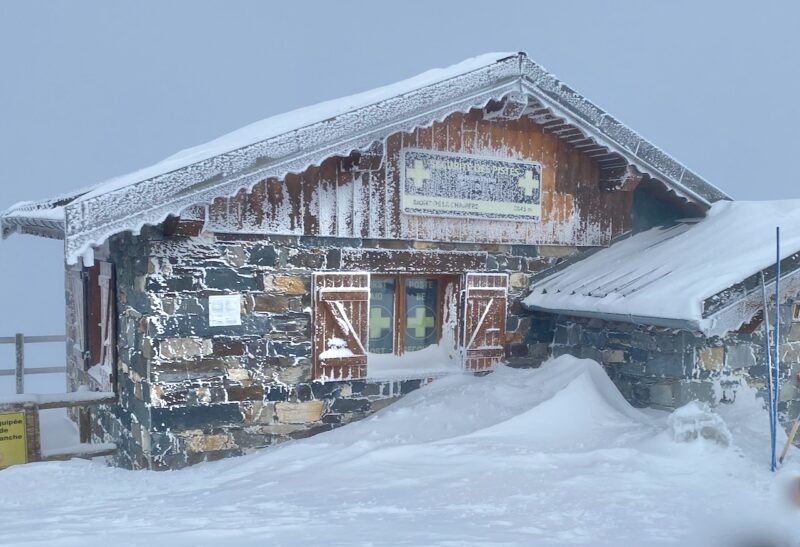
point(309, 269)
point(675, 313)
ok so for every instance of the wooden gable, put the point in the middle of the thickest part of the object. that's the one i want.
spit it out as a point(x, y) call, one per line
point(358, 196)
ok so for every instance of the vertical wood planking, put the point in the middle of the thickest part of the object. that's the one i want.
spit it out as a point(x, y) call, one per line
point(362, 200)
point(326, 326)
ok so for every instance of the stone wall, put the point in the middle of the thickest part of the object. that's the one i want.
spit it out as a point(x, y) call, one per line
point(190, 392)
point(666, 368)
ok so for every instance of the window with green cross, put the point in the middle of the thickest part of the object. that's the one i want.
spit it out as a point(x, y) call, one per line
point(381, 315)
point(422, 315)
point(405, 313)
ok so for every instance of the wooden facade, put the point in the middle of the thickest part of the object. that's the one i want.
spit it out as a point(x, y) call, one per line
point(358, 196)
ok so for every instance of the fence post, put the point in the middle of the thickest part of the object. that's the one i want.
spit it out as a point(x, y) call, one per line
point(19, 342)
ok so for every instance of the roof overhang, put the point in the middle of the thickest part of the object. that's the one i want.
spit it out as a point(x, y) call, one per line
point(89, 221)
point(32, 225)
point(665, 322)
point(723, 312)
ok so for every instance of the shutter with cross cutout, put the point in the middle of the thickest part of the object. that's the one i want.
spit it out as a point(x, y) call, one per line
point(341, 322)
point(485, 299)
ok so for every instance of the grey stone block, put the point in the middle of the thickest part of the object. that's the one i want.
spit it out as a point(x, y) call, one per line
point(741, 356)
point(666, 365)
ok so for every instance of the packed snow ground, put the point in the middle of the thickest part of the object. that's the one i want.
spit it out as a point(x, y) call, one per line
point(551, 456)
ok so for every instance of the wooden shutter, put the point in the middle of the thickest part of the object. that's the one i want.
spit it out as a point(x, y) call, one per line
point(77, 283)
point(341, 325)
point(108, 341)
point(486, 296)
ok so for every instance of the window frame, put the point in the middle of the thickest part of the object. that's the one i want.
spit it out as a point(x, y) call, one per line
point(399, 338)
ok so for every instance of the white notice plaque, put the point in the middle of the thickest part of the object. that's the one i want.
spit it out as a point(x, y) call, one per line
point(224, 310)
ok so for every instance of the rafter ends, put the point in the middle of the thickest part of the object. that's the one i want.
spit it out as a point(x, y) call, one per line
point(511, 107)
point(621, 179)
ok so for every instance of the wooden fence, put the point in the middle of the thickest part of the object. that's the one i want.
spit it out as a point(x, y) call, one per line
point(19, 340)
point(29, 406)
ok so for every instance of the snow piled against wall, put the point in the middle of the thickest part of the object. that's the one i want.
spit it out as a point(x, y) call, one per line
point(552, 456)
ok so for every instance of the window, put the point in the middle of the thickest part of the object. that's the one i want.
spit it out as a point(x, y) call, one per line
point(381, 315)
point(418, 302)
point(391, 326)
point(796, 311)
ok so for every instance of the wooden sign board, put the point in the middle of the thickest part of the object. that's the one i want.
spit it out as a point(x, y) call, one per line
point(13, 439)
point(447, 184)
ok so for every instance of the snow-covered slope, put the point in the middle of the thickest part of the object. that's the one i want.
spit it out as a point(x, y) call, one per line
point(551, 456)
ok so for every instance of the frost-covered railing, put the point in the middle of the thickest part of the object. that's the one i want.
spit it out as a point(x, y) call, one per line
point(24, 409)
point(19, 340)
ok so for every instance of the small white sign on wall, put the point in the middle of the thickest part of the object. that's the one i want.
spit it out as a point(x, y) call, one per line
point(224, 310)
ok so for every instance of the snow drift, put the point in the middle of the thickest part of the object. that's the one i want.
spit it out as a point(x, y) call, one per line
point(550, 456)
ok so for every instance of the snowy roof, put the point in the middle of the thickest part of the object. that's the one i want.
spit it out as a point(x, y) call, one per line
point(683, 275)
point(291, 142)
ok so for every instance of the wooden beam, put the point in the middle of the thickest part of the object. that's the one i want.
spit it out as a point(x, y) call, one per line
point(510, 108)
point(82, 450)
point(620, 179)
point(177, 226)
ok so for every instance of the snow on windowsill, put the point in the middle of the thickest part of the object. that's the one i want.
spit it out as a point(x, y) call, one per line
point(431, 362)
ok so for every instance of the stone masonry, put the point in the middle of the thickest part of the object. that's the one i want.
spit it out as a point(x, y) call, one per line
point(189, 392)
point(666, 368)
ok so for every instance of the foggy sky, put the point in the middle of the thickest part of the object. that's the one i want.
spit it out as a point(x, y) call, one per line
point(90, 90)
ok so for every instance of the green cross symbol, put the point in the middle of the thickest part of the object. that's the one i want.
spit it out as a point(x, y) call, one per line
point(418, 173)
point(420, 321)
point(378, 322)
point(528, 183)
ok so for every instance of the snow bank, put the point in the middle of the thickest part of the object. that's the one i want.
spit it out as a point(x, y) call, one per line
point(552, 456)
point(696, 421)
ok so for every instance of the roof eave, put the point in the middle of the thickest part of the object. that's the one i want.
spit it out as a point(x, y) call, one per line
point(47, 228)
point(598, 123)
point(666, 322)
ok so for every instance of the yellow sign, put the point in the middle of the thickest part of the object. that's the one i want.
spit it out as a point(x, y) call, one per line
point(479, 207)
point(446, 184)
point(13, 441)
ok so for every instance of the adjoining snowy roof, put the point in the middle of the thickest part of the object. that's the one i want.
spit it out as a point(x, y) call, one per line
point(291, 142)
point(669, 276)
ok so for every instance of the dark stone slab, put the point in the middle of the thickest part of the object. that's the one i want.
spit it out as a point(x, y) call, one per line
point(245, 393)
point(341, 406)
point(230, 279)
point(263, 255)
point(196, 417)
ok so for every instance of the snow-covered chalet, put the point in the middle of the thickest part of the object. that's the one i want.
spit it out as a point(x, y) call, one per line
point(309, 269)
